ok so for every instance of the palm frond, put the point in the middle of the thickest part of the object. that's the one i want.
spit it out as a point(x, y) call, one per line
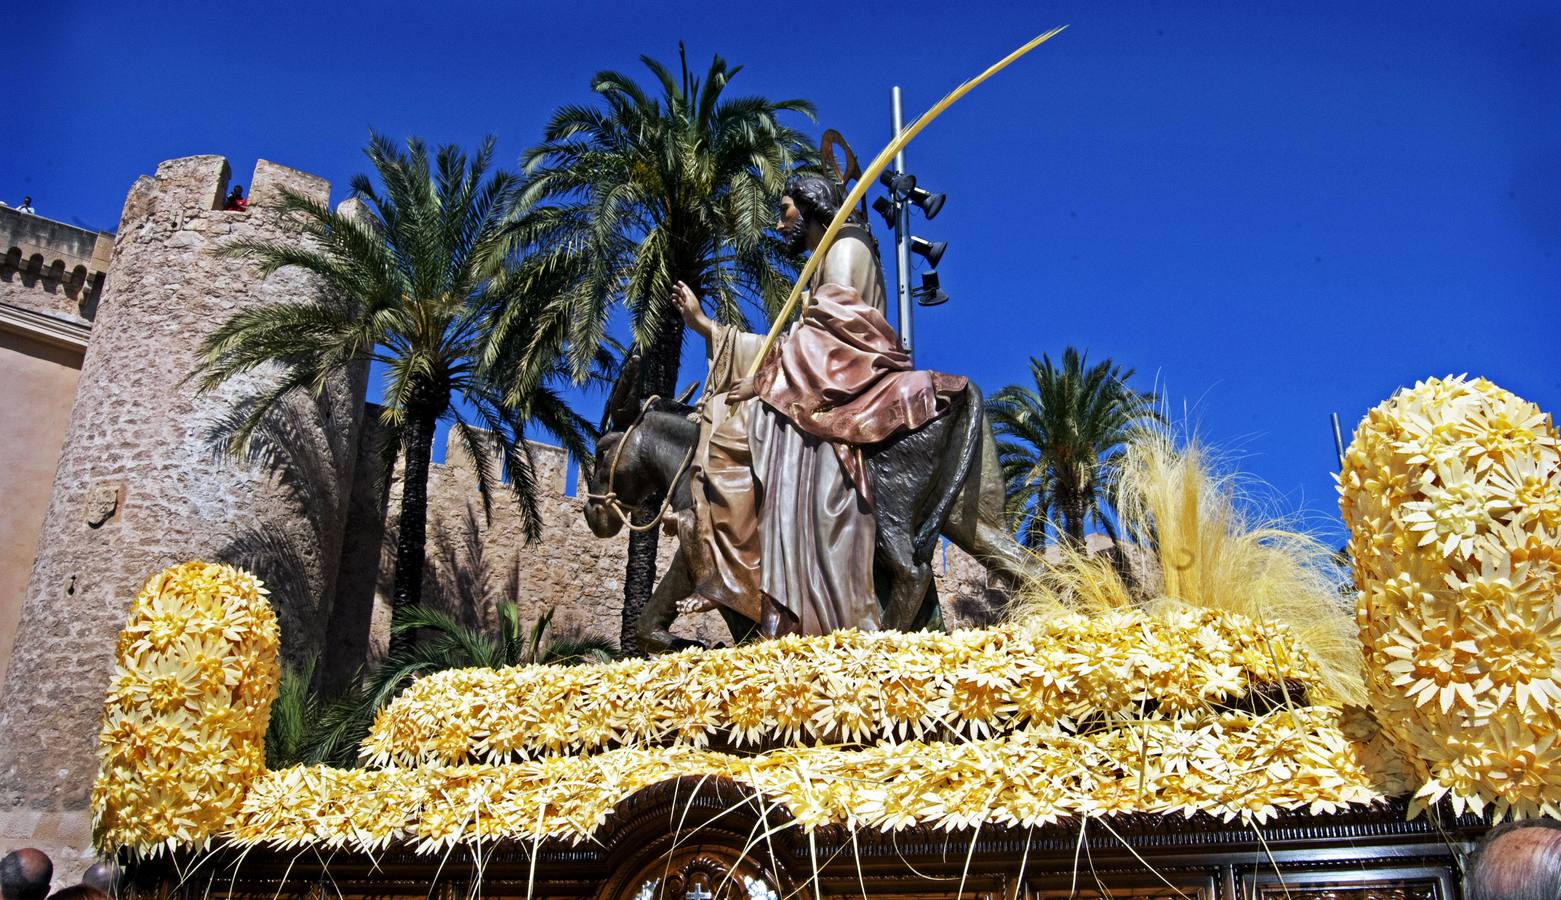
point(1061, 442)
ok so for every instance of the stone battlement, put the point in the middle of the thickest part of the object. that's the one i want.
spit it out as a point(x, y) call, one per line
point(50, 267)
point(194, 186)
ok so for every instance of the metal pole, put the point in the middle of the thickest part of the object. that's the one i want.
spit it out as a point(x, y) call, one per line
point(902, 238)
point(1338, 440)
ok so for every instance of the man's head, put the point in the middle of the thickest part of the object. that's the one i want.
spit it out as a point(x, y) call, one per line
point(238, 191)
point(25, 874)
point(103, 876)
point(808, 206)
point(1518, 861)
point(27, 201)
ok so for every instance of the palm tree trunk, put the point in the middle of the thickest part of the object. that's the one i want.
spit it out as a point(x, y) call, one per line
point(1035, 531)
point(639, 577)
point(1073, 518)
point(412, 527)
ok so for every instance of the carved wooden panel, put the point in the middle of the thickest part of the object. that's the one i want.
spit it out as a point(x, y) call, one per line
point(1136, 882)
point(1201, 890)
point(1146, 893)
point(1420, 891)
point(1416, 883)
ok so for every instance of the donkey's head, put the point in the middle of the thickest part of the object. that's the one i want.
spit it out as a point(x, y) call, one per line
point(638, 455)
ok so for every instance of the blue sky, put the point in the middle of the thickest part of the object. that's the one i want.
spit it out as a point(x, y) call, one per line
point(1270, 211)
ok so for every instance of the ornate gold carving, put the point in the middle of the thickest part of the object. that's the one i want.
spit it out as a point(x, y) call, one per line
point(702, 877)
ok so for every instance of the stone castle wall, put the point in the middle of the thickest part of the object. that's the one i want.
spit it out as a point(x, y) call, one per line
point(143, 483)
point(570, 571)
point(52, 268)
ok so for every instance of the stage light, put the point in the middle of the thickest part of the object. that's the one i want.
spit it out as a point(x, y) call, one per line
point(931, 251)
point(885, 207)
point(900, 185)
point(928, 202)
point(930, 293)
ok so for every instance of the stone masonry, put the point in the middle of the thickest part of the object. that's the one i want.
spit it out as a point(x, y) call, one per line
point(143, 482)
point(52, 268)
point(571, 571)
point(51, 275)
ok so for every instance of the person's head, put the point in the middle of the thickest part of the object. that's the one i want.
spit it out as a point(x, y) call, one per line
point(25, 873)
point(1518, 861)
point(809, 204)
point(79, 892)
point(104, 876)
point(27, 201)
point(237, 192)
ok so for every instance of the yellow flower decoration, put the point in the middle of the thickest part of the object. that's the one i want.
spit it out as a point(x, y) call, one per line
point(1236, 765)
point(185, 719)
point(848, 687)
point(1452, 491)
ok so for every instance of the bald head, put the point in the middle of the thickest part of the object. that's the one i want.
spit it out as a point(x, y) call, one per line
point(103, 876)
point(1519, 861)
point(25, 875)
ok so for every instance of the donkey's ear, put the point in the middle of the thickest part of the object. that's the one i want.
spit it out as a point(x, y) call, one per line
point(688, 393)
point(623, 404)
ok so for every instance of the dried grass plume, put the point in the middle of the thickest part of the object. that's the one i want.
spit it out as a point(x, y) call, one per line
point(1192, 542)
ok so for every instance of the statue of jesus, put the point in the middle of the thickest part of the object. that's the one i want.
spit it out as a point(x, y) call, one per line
point(782, 505)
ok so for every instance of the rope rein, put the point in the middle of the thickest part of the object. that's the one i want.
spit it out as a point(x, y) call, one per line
point(611, 496)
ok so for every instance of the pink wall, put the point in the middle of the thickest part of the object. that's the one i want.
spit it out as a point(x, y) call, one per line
point(40, 382)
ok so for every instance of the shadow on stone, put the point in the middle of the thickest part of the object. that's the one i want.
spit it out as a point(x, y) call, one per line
point(298, 447)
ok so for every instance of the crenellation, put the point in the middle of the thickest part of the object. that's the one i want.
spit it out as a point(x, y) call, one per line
point(191, 185)
point(50, 267)
point(271, 180)
point(138, 204)
point(355, 209)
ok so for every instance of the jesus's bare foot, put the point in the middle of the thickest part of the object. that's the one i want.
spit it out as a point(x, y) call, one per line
point(695, 603)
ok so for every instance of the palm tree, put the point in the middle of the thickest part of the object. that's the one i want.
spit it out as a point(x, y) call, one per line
point(1060, 444)
point(410, 280)
point(629, 197)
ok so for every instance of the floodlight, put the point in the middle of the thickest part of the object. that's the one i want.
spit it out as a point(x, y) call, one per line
point(899, 184)
point(928, 202)
point(930, 294)
point(931, 251)
point(885, 207)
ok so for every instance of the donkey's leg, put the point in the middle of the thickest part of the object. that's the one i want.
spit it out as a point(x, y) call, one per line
point(661, 610)
point(908, 579)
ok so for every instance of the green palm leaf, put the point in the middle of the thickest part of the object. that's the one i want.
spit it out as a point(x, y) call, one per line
point(649, 185)
point(416, 278)
point(1060, 444)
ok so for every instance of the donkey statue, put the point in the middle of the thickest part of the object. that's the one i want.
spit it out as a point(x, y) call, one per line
point(941, 479)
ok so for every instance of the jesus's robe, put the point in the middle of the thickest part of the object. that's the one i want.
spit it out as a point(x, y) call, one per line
point(782, 496)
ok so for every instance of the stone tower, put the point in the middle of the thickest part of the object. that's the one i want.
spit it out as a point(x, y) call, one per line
point(143, 482)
